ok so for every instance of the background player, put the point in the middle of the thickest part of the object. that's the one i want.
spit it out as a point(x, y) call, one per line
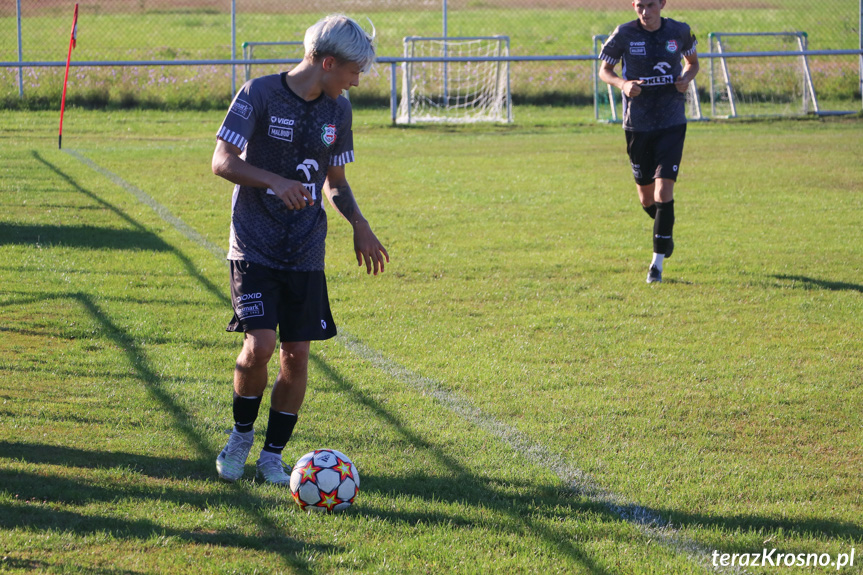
point(653, 84)
point(285, 140)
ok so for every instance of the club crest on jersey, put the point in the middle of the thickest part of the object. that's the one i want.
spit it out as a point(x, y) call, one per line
point(328, 134)
point(671, 46)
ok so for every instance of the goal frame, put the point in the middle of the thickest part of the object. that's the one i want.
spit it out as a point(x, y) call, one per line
point(715, 43)
point(410, 59)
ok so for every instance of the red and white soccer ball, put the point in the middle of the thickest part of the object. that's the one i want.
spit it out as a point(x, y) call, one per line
point(324, 480)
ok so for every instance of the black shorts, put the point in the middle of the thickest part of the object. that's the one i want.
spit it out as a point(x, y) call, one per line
point(296, 302)
point(655, 154)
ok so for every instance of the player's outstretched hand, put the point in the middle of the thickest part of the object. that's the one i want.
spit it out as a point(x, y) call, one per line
point(368, 249)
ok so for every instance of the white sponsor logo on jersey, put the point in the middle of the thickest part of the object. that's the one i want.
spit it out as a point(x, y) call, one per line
point(248, 296)
point(657, 80)
point(313, 190)
point(662, 67)
point(281, 133)
point(253, 309)
point(306, 167)
point(241, 108)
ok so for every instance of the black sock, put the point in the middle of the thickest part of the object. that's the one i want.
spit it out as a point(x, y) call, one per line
point(651, 210)
point(245, 412)
point(663, 226)
point(279, 430)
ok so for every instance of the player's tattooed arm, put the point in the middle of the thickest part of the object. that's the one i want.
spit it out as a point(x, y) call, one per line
point(339, 192)
point(342, 197)
point(368, 248)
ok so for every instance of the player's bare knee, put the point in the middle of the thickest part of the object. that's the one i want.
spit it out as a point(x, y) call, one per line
point(295, 352)
point(258, 348)
point(664, 190)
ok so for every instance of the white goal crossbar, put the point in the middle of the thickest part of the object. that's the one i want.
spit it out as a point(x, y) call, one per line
point(455, 79)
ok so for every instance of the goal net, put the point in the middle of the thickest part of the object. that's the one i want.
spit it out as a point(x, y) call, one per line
point(442, 90)
point(760, 85)
point(608, 103)
point(269, 51)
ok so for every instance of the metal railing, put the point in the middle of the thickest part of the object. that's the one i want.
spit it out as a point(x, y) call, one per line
point(394, 61)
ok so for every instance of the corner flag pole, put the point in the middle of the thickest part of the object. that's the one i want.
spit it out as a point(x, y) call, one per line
point(72, 42)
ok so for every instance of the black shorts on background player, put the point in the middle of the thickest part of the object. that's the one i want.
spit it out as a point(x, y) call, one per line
point(655, 154)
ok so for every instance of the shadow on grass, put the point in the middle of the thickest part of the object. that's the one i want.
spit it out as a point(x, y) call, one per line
point(37, 516)
point(102, 237)
point(89, 237)
point(39, 491)
point(42, 487)
point(44, 566)
point(544, 502)
point(804, 528)
point(812, 283)
point(270, 536)
point(465, 487)
point(155, 467)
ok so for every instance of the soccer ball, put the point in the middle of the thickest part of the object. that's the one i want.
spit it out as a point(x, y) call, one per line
point(324, 480)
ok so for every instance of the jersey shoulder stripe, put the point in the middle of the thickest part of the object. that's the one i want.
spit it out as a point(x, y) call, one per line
point(691, 51)
point(232, 138)
point(342, 159)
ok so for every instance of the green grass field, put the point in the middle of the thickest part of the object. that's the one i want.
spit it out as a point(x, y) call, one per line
point(516, 398)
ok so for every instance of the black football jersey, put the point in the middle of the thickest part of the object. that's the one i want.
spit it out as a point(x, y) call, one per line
point(280, 132)
point(655, 58)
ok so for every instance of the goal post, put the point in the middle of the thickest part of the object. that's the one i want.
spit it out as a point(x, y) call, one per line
point(760, 86)
point(605, 105)
point(436, 88)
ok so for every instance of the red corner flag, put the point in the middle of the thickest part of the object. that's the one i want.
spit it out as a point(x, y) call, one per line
point(72, 43)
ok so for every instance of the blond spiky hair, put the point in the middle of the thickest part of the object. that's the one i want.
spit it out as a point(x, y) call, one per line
point(339, 36)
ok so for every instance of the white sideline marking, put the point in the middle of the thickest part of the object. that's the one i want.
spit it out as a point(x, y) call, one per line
point(145, 198)
point(648, 522)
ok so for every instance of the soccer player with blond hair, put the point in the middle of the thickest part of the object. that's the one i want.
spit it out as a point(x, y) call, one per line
point(284, 143)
